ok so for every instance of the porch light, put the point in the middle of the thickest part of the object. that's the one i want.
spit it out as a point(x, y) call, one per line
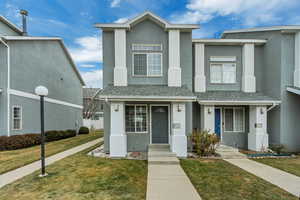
point(116, 108)
point(178, 108)
point(209, 111)
point(261, 111)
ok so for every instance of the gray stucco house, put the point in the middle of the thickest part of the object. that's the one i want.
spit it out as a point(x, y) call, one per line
point(27, 62)
point(160, 84)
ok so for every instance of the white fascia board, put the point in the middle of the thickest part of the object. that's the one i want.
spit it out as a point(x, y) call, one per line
point(112, 25)
point(30, 38)
point(293, 90)
point(148, 98)
point(213, 102)
point(10, 24)
point(229, 41)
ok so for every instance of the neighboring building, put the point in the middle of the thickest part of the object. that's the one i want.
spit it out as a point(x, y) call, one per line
point(160, 84)
point(92, 108)
point(27, 62)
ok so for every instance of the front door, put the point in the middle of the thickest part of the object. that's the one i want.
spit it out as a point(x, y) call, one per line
point(218, 122)
point(160, 125)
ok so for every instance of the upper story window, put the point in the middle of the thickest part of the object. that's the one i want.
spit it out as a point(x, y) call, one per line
point(147, 60)
point(223, 69)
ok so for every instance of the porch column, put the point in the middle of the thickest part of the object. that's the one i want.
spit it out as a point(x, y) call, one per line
point(118, 139)
point(200, 79)
point(258, 139)
point(297, 60)
point(120, 70)
point(248, 78)
point(179, 138)
point(174, 71)
point(208, 118)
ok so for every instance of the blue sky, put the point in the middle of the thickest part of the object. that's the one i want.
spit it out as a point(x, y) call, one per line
point(73, 20)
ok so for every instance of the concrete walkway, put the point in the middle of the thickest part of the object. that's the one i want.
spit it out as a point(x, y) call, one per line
point(16, 174)
point(282, 179)
point(166, 179)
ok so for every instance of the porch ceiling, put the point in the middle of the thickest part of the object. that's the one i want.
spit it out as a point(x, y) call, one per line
point(293, 89)
point(235, 98)
point(147, 93)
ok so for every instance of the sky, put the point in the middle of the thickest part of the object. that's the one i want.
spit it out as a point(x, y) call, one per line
point(73, 21)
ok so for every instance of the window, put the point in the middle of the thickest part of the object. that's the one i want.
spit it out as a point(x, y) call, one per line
point(17, 118)
point(136, 118)
point(234, 119)
point(222, 72)
point(147, 59)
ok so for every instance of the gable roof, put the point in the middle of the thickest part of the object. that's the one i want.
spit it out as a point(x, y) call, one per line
point(146, 15)
point(10, 25)
point(28, 38)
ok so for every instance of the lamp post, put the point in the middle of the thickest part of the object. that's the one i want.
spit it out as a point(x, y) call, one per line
point(42, 92)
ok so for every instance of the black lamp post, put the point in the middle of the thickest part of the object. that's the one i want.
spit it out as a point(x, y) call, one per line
point(42, 92)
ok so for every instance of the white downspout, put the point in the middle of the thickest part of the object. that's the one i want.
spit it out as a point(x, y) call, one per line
point(8, 85)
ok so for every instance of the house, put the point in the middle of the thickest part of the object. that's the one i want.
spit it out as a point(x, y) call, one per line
point(160, 84)
point(92, 108)
point(27, 62)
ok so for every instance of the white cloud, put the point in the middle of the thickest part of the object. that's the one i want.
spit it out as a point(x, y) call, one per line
point(87, 66)
point(121, 20)
point(250, 12)
point(93, 78)
point(115, 3)
point(89, 49)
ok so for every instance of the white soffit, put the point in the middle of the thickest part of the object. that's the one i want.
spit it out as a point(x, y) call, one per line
point(230, 41)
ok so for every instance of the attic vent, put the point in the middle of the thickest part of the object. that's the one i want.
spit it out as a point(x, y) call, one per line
point(146, 47)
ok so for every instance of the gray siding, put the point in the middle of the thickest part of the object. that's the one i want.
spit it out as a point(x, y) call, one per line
point(3, 86)
point(224, 51)
point(108, 57)
point(6, 30)
point(44, 63)
point(57, 117)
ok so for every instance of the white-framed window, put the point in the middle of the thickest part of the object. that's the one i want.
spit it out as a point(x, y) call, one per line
point(234, 119)
point(223, 72)
point(17, 117)
point(136, 118)
point(147, 64)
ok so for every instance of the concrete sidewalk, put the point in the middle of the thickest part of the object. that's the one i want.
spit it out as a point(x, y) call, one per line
point(16, 174)
point(282, 179)
point(166, 179)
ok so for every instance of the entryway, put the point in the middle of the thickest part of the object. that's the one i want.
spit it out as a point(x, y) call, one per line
point(159, 124)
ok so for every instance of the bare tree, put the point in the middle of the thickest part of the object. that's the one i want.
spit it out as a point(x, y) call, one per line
point(91, 105)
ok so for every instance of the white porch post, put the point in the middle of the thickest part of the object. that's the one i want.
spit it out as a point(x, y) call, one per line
point(174, 71)
point(118, 139)
point(248, 78)
point(200, 79)
point(258, 139)
point(208, 118)
point(297, 60)
point(179, 138)
point(120, 70)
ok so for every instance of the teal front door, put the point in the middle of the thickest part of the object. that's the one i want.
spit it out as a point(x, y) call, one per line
point(160, 124)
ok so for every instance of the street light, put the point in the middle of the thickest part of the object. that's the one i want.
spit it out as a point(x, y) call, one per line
point(42, 92)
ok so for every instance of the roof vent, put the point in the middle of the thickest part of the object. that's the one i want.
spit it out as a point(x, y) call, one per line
point(24, 14)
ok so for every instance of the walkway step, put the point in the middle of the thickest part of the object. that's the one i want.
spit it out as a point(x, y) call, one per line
point(161, 154)
point(159, 147)
point(227, 152)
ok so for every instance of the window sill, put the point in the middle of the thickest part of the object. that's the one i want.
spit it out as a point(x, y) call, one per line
point(142, 133)
point(142, 76)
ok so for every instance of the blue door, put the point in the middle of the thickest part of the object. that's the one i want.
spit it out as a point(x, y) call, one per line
point(218, 122)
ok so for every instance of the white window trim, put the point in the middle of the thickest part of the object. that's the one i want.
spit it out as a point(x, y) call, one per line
point(160, 45)
point(147, 53)
point(147, 124)
point(234, 108)
point(21, 118)
point(222, 63)
point(222, 58)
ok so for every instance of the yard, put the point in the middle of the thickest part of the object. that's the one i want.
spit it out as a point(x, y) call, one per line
point(10, 160)
point(83, 177)
point(291, 165)
point(217, 179)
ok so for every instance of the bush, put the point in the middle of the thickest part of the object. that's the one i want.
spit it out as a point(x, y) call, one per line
point(204, 143)
point(278, 148)
point(27, 140)
point(84, 130)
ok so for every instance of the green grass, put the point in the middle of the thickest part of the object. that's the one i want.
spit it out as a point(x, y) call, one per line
point(81, 177)
point(10, 160)
point(217, 179)
point(291, 165)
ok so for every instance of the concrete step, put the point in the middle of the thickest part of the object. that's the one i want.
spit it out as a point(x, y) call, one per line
point(163, 160)
point(159, 147)
point(161, 154)
point(225, 148)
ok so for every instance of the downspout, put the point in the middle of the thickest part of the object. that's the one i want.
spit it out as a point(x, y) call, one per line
point(8, 85)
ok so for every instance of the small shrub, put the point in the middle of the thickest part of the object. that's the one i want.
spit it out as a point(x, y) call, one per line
point(84, 130)
point(204, 143)
point(278, 148)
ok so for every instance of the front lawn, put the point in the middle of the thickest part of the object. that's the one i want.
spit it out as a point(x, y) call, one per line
point(83, 177)
point(217, 179)
point(291, 165)
point(10, 160)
